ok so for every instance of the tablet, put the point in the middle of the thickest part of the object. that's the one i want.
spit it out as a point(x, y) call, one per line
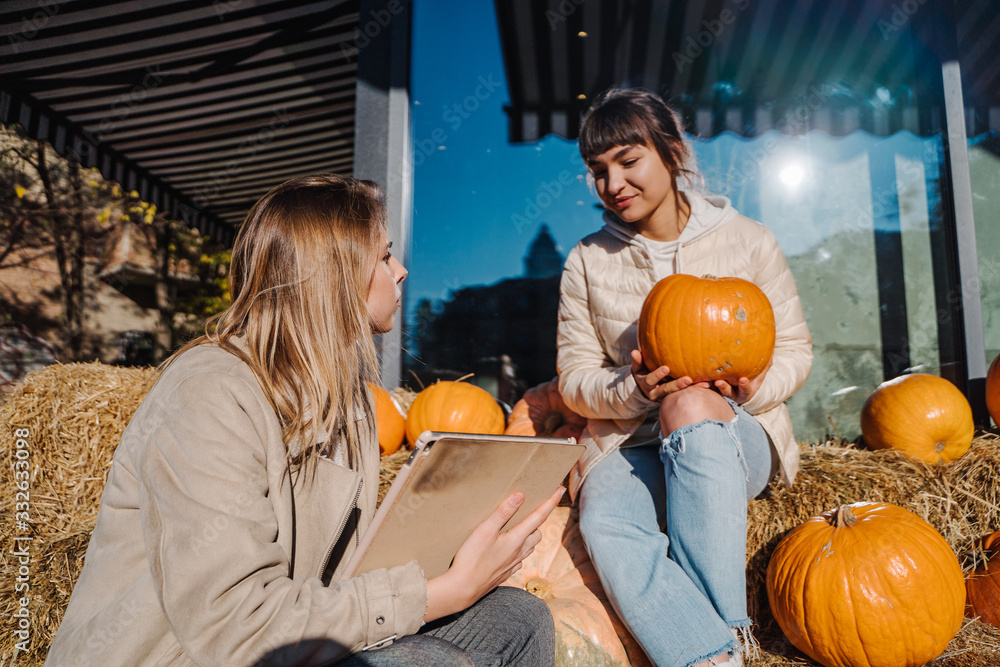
point(449, 485)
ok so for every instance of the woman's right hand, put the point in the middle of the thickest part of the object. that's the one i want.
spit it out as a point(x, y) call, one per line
point(488, 557)
point(651, 383)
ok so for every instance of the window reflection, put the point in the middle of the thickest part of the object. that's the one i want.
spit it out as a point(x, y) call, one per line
point(855, 216)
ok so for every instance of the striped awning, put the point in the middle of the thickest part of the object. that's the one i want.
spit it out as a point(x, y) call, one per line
point(748, 66)
point(200, 106)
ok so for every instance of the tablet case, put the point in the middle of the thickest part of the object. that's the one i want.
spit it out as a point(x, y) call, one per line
point(448, 486)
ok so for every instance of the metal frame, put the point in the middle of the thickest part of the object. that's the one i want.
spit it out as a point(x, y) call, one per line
point(957, 147)
point(383, 142)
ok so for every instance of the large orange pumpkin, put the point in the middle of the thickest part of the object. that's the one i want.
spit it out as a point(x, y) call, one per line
point(559, 571)
point(458, 407)
point(707, 328)
point(541, 411)
point(993, 391)
point(921, 415)
point(983, 585)
point(390, 421)
point(866, 585)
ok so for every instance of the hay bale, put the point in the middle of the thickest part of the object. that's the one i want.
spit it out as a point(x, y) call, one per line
point(961, 500)
point(71, 417)
point(75, 415)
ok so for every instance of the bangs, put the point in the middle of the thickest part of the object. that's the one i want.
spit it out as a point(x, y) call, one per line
point(614, 124)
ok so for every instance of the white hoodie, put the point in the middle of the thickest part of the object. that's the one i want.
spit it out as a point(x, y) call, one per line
point(605, 280)
point(708, 213)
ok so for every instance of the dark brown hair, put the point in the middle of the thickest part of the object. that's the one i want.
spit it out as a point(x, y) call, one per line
point(633, 116)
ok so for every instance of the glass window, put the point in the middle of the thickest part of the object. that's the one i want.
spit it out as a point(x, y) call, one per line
point(855, 216)
point(841, 155)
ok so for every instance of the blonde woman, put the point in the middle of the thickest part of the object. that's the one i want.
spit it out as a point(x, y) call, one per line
point(245, 478)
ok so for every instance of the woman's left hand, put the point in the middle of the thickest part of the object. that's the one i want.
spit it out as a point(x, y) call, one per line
point(744, 389)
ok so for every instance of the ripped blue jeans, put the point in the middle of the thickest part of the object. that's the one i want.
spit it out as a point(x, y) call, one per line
point(680, 591)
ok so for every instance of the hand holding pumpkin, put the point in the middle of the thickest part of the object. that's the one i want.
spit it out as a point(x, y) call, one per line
point(744, 389)
point(488, 557)
point(707, 328)
point(656, 384)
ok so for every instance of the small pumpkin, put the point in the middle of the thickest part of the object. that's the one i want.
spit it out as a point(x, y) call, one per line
point(983, 584)
point(389, 419)
point(559, 571)
point(866, 585)
point(458, 407)
point(707, 328)
point(993, 391)
point(541, 411)
point(921, 415)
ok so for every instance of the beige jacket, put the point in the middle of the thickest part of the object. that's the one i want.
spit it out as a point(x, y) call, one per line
point(205, 554)
point(605, 280)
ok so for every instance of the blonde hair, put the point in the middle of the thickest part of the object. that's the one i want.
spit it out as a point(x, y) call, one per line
point(301, 267)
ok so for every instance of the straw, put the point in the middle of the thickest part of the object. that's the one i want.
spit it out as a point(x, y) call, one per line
point(75, 414)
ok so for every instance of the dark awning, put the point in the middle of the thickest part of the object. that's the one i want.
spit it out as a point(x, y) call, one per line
point(201, 107)
point(751, 65)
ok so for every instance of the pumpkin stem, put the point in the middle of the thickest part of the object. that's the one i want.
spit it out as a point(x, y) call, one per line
point(709, 276)
point(552, 421)
point(417, 378)
point(844, 517)
point(466, 376)
point(538, 587)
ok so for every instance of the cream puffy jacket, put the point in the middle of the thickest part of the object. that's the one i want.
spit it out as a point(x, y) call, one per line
point(605, 280)
point(205, 553)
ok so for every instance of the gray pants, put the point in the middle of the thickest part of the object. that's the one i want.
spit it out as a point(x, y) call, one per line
point(506, 627)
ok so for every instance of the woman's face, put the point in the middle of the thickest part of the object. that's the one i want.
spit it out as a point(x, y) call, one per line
point(632, 181)
point(384, 288)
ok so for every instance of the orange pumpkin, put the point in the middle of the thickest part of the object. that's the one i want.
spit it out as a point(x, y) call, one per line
point(993, 390)
point(458, 407)
point(866, 585)
point(541, 411)
point(560, 572)
point(921, 415)
point(707, 328)
point(983, 585)
point(390, 421)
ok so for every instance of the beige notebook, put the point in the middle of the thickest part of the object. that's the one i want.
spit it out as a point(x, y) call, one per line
point(448, 486)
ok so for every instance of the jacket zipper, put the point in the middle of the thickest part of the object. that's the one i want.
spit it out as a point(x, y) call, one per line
point(340, 530)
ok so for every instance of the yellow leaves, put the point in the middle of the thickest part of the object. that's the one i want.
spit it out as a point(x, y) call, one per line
point(20, 191)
